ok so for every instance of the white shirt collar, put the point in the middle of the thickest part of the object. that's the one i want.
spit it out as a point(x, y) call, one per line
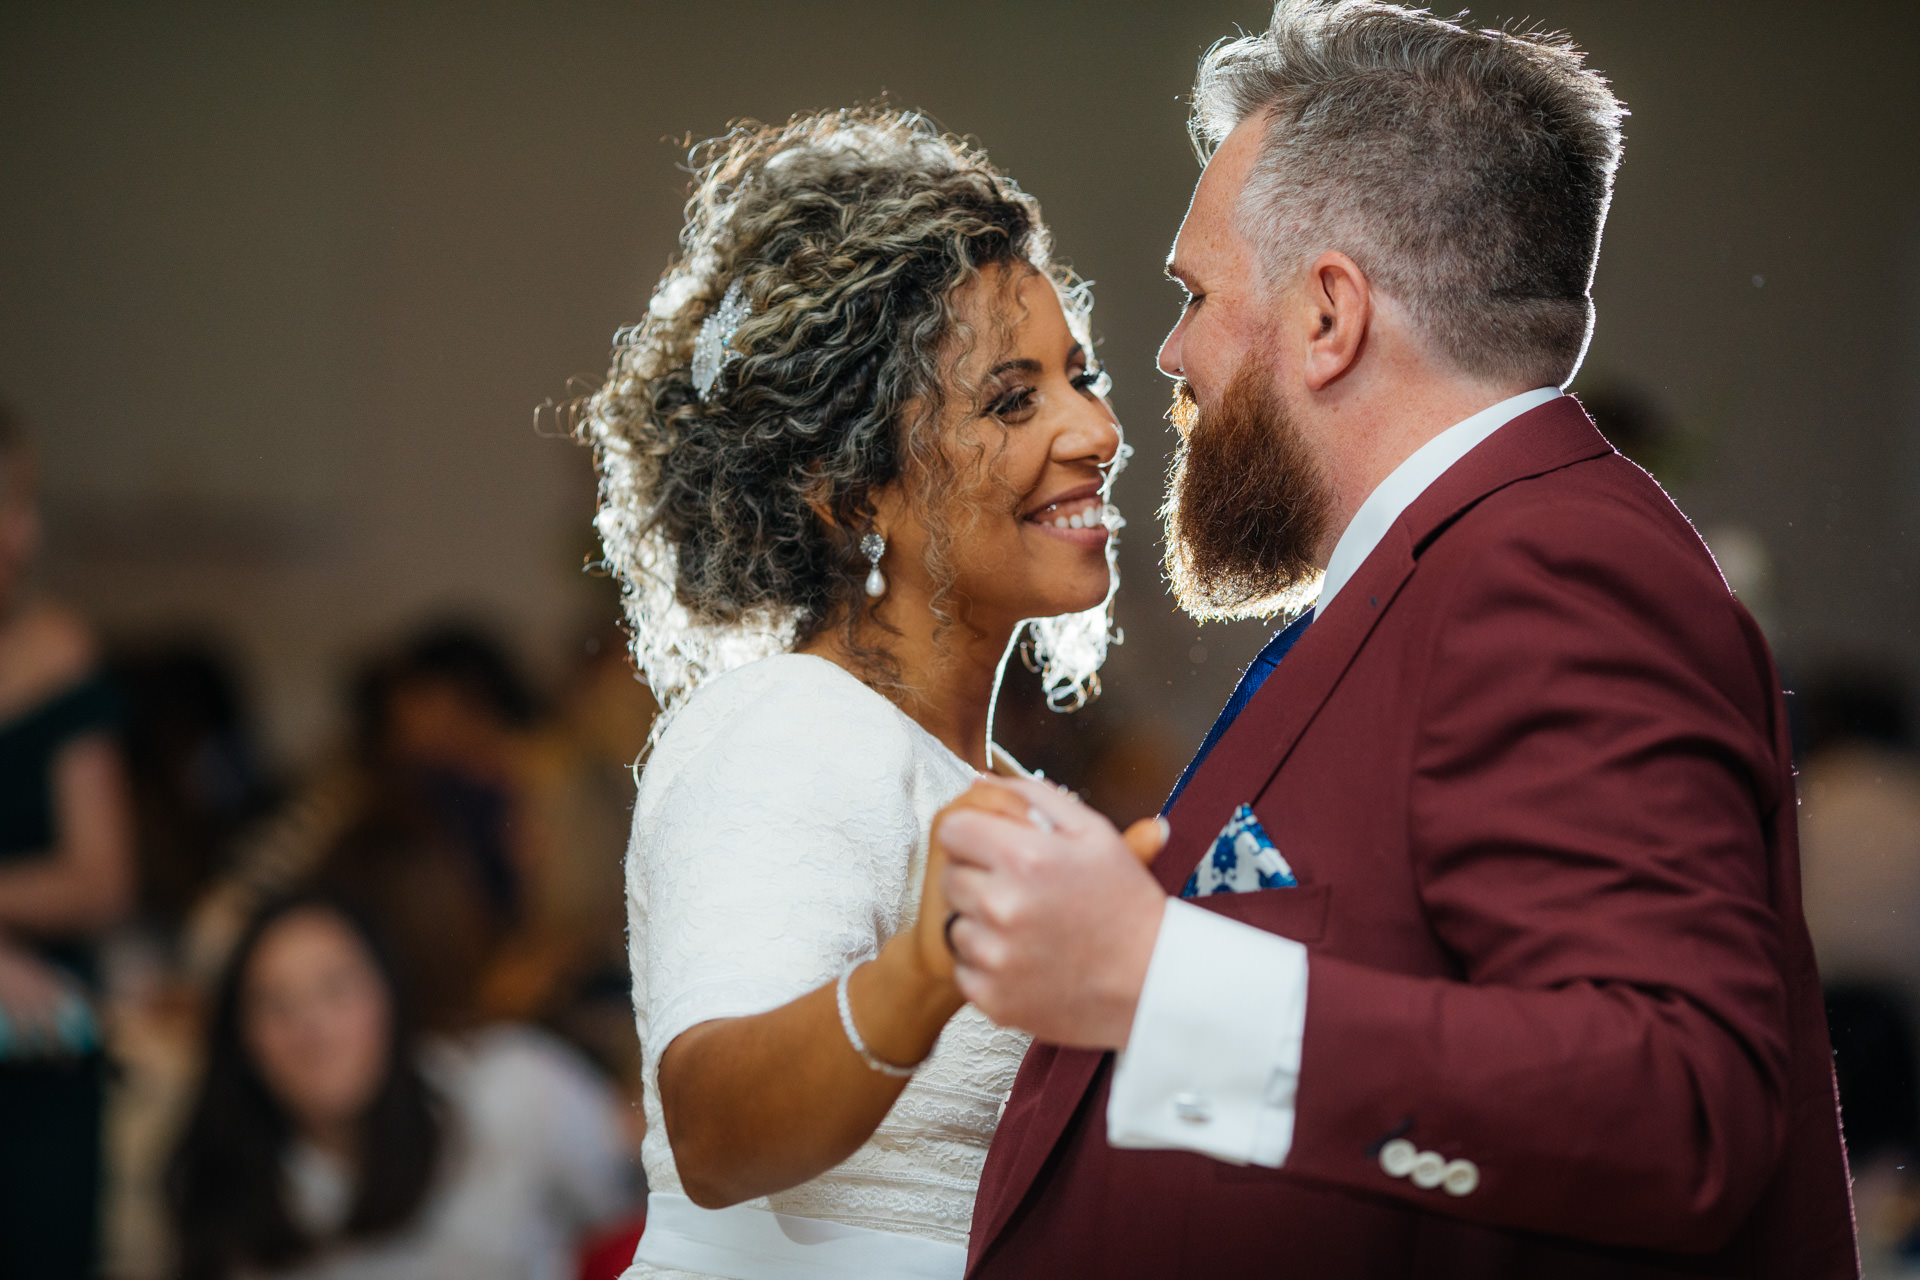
point(1409, 480)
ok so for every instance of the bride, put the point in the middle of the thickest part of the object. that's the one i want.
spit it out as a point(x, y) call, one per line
point(858, 443)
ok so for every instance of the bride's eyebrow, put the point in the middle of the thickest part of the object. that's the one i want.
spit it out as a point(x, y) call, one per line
point(1027, 364)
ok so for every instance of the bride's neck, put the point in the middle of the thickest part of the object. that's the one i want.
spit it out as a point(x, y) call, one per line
point(946, 676)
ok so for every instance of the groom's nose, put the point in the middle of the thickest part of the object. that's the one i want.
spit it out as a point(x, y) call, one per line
point(1170, 360)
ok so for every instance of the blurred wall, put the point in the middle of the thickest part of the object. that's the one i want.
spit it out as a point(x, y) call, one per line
point(282, 286)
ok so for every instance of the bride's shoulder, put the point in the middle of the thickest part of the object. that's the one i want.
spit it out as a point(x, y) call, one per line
point(791, 735)
point(784, 703)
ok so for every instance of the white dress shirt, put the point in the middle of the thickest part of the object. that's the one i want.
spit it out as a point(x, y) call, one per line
point(1213, 1066)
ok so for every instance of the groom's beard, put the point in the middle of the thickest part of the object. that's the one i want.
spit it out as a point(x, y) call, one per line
point(1246, 505)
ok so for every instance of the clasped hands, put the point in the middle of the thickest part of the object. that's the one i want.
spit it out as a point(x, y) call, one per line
point(1041, 911)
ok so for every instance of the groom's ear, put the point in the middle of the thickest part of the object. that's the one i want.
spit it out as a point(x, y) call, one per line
point(1339, 311)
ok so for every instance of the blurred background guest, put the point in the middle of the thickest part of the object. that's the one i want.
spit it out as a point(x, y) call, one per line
point(511, 784)
point(286, 427)
point(601, 720)
point(64, 879)
point(198, 777)
point(1860, 855)
point(1860, 831)
point(473, 825)
point(328, 1140)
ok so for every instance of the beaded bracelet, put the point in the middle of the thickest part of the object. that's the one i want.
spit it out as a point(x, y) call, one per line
point(853, 1035)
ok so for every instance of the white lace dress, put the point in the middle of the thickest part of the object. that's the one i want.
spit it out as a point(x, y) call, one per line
point(779, 833)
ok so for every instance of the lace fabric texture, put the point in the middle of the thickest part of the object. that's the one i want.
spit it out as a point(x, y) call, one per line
point(780, 832)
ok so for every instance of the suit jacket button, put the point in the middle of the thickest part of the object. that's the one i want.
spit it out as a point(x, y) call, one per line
point(1428, 1168)
point(1461, 1178)
point(1397, 1157)
point(1192, 1108)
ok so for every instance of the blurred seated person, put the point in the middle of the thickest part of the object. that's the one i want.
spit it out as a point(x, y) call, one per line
point(1860, 831)
point(328, 1142)
point(398, 866)
point(599, 727)
point(1860, 863)
point(452, 721)
point(64, 879)
point(522, 794)
point(453, 766)
point(602, 718)
point(194, 768)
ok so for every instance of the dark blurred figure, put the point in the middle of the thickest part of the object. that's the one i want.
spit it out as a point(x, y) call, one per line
point(64, 879)
point(398, 862)
point(1860, 858)
point(464, 757)
point(1860, 830)
point(1857, 705)
point(599, 729)
point(430, 850)
point(481, 832)
point(329, 1141)
point(1873, 1057)
point(447, 721)
point(195, 769)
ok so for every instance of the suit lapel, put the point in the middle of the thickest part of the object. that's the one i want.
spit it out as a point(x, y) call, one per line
point(1052, 1081)
point(1254, 747)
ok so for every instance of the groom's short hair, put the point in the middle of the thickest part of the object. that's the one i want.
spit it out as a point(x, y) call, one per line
point(1466, 172)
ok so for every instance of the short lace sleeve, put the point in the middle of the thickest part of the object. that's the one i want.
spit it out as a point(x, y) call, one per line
point(771, 844)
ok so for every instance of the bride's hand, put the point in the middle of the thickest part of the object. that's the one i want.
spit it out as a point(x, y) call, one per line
point(931, 929)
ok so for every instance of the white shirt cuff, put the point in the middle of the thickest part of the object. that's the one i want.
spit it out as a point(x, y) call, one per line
point(1212, 1063)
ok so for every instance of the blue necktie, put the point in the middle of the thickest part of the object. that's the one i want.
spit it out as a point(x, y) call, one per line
point(1256, 675)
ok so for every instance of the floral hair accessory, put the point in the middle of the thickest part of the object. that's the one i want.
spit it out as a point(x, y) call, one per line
point(713, 348)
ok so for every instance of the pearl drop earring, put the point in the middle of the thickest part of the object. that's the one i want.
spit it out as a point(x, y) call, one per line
point(873, 546)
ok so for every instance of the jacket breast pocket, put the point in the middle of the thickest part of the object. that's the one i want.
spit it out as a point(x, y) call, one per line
point(1299, 912)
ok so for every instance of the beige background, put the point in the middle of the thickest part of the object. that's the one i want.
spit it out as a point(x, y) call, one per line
point(282, 286)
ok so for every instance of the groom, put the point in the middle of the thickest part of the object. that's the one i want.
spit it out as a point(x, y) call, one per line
point(1476, 947)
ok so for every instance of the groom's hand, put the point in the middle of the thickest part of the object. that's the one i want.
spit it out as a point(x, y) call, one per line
point(1058, 915)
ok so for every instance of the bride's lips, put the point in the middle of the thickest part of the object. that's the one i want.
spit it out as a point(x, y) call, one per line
point(1076, 516)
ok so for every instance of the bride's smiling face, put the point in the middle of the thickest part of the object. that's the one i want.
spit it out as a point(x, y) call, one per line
point(1030, 440)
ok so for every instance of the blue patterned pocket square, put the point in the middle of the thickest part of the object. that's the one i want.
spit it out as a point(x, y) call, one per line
point(1242, 859)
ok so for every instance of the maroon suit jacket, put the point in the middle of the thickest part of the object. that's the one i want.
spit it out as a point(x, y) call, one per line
point(1531, 770)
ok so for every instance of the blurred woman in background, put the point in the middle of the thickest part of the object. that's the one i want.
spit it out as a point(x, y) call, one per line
point(471, 826)
point(65, 876)
point(327, 1143)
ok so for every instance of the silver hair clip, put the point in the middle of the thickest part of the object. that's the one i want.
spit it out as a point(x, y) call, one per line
point(713, 348)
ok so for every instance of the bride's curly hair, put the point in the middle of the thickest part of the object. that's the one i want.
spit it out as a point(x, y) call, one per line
point(849, 234)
